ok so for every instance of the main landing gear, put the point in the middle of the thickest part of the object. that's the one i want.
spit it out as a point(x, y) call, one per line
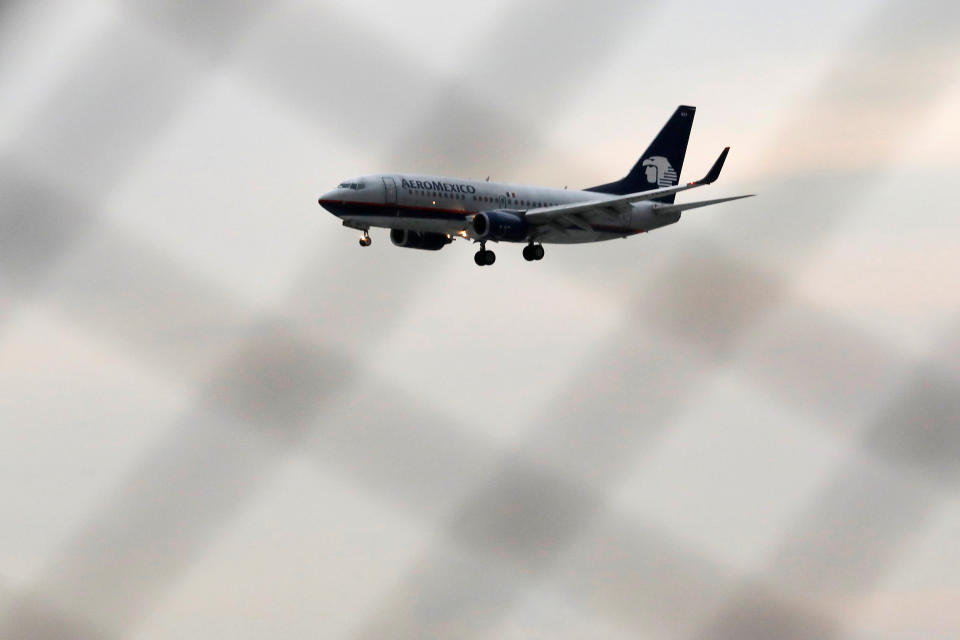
point(484, 258)
point(365, 239)
point(533, 252)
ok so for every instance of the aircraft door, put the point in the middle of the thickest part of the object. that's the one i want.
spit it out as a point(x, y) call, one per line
point(390, 191)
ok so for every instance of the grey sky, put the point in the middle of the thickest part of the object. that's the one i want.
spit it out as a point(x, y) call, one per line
point(221, 417)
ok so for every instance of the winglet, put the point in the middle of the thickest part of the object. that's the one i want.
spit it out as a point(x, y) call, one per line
point(714, 172)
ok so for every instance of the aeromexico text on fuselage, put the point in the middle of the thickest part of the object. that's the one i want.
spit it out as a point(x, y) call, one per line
point(448, 187)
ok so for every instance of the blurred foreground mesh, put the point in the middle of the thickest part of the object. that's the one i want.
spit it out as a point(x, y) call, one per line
point(223, 418)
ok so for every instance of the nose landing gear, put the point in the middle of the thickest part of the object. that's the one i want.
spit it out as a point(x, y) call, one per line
point(365, 239)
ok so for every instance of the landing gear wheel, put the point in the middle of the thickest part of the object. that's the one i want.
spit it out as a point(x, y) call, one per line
point(484, 258)
point(533, 252)
point(365, 240)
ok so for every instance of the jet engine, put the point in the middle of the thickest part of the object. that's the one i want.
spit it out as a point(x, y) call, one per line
point(419, 239)
point(499, 225)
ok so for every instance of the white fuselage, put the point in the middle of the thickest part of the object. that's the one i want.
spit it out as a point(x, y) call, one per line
point(445, 205)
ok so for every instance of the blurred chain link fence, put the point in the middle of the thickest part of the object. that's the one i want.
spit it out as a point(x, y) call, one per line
point(224, 418)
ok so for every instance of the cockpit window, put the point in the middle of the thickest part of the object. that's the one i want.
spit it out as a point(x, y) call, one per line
point(353, 186)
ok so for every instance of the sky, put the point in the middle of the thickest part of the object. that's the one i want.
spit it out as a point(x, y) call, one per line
point(222, 417)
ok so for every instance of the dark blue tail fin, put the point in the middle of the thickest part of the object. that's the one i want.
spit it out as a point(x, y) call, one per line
point(661, 163)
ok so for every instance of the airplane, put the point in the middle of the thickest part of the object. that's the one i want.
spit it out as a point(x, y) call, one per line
point(429, 212)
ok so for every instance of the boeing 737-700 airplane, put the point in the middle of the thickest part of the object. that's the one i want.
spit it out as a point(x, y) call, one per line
point(428, 212)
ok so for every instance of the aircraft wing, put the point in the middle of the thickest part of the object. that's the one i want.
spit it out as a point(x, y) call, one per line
point(676, 208)
point(597, 210)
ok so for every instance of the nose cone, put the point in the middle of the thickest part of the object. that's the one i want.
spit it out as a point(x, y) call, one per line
point(328, 202)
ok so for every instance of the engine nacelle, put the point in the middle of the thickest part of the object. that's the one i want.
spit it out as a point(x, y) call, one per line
point(419, 239)
point(499, 225)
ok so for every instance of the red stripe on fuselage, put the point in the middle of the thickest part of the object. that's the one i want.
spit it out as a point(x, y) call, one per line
point(402, 207)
